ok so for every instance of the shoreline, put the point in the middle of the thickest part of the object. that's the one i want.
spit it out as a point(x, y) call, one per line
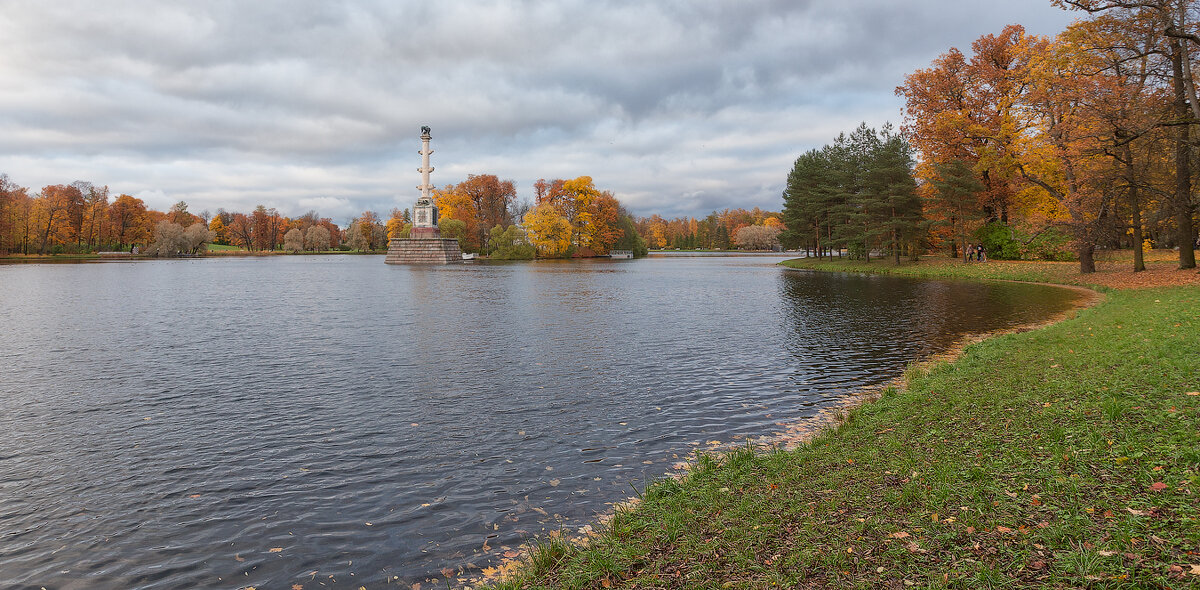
point(540, 570)
point(831, 417)
point(795, 433)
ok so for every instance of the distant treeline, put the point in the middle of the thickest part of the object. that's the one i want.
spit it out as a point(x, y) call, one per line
point(752, 229)
point(82, 217)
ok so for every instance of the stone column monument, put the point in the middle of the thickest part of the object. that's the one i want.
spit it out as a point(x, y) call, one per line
point(425, 244)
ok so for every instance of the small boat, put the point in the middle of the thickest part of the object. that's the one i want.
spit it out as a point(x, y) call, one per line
point(469, 256)
point(621, 254)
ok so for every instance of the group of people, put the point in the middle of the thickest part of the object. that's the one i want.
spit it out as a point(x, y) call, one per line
point(975, 252)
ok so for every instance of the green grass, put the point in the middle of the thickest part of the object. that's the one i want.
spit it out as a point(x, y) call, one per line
point(1064, 457)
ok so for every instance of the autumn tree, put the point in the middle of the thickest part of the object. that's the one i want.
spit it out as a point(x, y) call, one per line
point(96, 213)
point(171, 239)
point(197, 235)
point(454, 203)
point(757, 237)
point(293, 240)
point(317, 238)
point(167, 240)
point(490, 199)
point(15, 209)
point(129, 221)
point(179, 215)
point(217, 225)
point(398, 225)
point(549, 231)
point(268, 226)
point(240, 230)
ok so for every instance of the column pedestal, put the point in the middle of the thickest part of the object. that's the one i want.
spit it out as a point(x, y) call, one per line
point(419, 250)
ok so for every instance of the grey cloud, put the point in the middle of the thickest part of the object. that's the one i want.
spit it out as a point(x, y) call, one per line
point(678, 106)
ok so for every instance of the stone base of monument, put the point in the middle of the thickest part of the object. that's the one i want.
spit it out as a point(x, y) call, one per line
point(423, 251)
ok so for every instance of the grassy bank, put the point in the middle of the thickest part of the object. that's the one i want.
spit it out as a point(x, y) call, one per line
point(1063, 457)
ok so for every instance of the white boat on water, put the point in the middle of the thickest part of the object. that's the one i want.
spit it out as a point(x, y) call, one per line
point(469, 256)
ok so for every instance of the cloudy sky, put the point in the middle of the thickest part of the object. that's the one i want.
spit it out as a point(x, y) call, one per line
point(679, 107)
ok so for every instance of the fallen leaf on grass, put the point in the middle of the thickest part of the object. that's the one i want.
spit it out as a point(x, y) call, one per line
point(1003, 529)
point(1158, 486)
point(1195, 569)
point(1138, 512)
point(899, 535)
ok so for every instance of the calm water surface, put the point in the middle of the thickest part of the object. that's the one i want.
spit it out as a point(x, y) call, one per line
point(304, 420)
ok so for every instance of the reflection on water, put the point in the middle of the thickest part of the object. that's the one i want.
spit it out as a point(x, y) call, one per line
point(225, 423)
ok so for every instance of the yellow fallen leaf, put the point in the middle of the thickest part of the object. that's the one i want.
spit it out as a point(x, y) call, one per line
point(297, 586)
point(554, 482)
point(238, 557)
point(275, 550)
point(1195, 569)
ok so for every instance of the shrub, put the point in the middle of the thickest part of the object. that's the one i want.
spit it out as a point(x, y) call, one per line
point(999, 241)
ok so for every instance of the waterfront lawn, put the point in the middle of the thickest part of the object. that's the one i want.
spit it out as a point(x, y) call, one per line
point(1062, 457)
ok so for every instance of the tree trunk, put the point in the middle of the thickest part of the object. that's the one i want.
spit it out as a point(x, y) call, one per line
point(1182, 202)
point(1087, 263)
point(1139, 260)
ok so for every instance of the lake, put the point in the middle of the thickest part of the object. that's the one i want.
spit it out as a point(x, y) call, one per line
point(334, 420)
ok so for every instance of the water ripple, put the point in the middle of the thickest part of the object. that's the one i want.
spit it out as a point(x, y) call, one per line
point(225, 423)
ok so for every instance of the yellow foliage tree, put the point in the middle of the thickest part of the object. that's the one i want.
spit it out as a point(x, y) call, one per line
point(218, 228)
point(548, 231)
point(455, 204)
point(582, 193)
